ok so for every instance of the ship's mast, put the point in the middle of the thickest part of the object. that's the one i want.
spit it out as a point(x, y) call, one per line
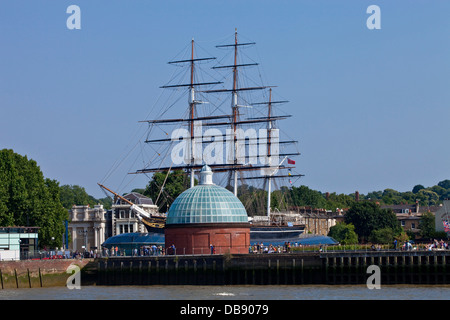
point(232, 165)
point(234, 102)
point(269, 135)
point(191, 166)
point(234, 108)
point(272, 168)
point(191, 114)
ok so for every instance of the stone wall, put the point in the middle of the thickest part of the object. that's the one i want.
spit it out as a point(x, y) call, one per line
point(36, 273)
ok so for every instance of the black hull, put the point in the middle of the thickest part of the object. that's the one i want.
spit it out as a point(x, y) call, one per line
point(151, 229)
point(256, 233)
point(275, 233)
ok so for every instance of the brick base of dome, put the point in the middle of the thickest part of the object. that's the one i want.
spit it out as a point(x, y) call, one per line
point(197, 238)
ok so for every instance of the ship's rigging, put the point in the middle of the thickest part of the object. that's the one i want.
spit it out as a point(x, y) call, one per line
point(206, 110)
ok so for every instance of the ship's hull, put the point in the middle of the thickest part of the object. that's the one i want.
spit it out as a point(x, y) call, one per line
point(257, 233)
point(154, 225)
point(267, 235)
point(276, 233)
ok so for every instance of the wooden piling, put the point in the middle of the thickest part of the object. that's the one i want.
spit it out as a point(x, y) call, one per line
point(29, 278)
point(15, 275)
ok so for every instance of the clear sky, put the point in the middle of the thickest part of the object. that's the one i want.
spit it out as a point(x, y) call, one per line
point(370, 107)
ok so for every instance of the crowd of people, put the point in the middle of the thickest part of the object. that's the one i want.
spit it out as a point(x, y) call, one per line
point(259, 247)
point(153, 250)
point(432, 245)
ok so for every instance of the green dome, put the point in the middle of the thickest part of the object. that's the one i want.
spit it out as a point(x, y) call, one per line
point(206, 203)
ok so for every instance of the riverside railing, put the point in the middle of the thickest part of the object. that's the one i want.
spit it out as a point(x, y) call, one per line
point(254, 249)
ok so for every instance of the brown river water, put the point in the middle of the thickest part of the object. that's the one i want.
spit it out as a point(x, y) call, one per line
point(241, 292)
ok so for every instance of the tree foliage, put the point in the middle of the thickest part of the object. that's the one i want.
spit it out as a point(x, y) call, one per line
point(427, 225)
point(383, 235)
point(71, 195)
point(254, 199)
point(164, 188)
point(368, 216)
point(433, 195)
point(29, 199)
point(344, 233)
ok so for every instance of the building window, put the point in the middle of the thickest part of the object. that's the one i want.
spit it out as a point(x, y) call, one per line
point(413, 225)
point(121, 214)
point(125, 228)
point(403, 223)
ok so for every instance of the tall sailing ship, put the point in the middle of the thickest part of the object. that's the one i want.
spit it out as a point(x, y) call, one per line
point(246, 152)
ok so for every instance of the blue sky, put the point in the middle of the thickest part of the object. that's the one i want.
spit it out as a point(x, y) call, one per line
point(370, 107)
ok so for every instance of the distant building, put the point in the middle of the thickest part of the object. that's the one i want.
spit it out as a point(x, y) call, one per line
point(125, 220)
point(87, 227)
point(409, 215)
point(442, 215)
point(317, 221)
point(90, 227)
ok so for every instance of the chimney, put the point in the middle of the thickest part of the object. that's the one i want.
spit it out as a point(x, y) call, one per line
point(356, 195)
point(417, 206)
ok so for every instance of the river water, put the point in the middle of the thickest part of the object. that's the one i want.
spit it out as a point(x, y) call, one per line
point(241, 292)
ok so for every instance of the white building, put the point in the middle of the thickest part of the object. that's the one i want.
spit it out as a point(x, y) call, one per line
point(87, 227)
point(125, 220)
point(441, 215)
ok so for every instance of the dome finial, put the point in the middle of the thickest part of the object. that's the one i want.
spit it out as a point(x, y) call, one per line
point(206, 175)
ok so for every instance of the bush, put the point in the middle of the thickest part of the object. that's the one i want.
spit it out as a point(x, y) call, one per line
point(343, 233)
point(385, 235)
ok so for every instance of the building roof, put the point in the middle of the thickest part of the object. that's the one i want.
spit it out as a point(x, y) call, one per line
point(412, 208)
point(206, 203)
point(137, 198)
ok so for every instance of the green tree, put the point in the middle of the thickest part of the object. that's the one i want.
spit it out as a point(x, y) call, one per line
point(304, 196)
point(164, 188)
point(427, 225)
point(29, 199)
point(254, 199)
point(391, 196)
point(71, 195)
point(384, 235)
point(368, 216)
point(417, 188)
point(444, 184)
point(344, 233)
point(427, 197)
point(106, 202)
point(339, 201)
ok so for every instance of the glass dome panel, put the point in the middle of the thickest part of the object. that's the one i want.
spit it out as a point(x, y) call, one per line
point(206, 204)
